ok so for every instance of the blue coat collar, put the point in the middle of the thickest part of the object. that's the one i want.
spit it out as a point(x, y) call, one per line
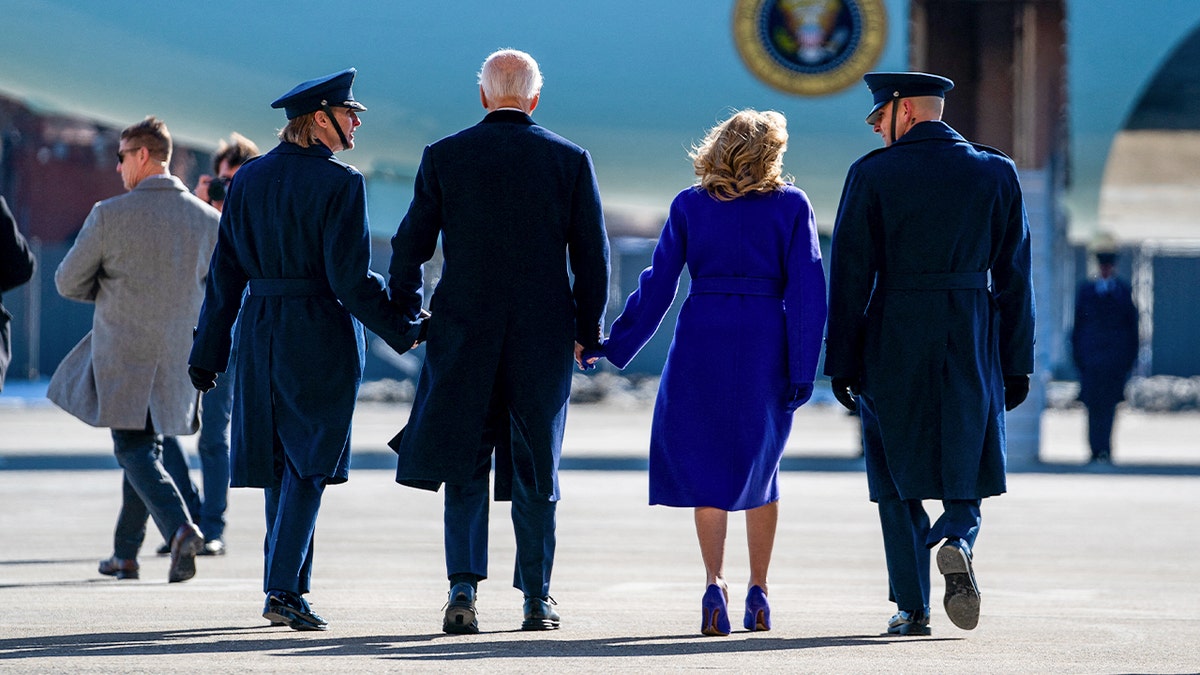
point(932, 130)
point(314, 150)
point(507, 116)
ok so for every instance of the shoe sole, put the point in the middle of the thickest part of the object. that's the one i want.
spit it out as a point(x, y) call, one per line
point(711, 621)
point(962, 593)
point(183, 566)
point(539, 624)
point(460, 620)
point(756, 621)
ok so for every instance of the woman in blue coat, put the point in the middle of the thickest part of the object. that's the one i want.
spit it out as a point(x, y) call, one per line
point(745, 348)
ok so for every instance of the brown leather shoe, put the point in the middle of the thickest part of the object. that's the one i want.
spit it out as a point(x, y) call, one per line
point(186, 543)
point(121, 568)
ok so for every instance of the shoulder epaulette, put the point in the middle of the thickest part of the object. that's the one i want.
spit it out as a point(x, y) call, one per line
point(348, 167)
point(989, 149)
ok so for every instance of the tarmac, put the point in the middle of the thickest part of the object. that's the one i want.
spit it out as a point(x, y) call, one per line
point(1082, 570)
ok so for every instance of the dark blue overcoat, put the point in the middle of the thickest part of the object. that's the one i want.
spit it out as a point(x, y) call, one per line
point(512, 202)
point(922, 226)
point(294, 238)
point(1104, 341)
point(747, 334)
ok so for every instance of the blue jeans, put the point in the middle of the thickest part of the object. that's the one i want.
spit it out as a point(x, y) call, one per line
point(148, 490)
point(213, 448)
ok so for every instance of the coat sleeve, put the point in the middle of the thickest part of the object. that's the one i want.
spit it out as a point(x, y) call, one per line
point(77, 276)
point(16, 261)
point(347, 243)
point(222, 298)
point(1012, 282)
point(804, 299)
point(587, 245)
point(657, 286)
point(416, 238)
point(852, 268)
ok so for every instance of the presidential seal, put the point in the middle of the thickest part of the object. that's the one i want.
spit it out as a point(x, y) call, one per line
point(809, 47)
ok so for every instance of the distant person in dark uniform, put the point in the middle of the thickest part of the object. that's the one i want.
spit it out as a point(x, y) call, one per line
point(511, 202)
point(16, 267)
point(294, 238)
point(930, 334)
point(1104, 343)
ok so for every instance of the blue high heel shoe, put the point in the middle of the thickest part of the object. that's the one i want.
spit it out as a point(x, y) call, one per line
point(758, 610)
point(716, 612)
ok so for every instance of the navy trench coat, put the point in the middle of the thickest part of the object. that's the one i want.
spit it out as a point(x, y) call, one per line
point(294, 239)
point(922, 227)
point(512, 202)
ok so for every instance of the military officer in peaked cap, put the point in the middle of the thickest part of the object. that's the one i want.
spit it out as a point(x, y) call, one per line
point(294, 241)
point(930, 334)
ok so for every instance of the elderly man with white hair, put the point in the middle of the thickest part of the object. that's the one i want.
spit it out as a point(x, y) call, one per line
point(512, 203)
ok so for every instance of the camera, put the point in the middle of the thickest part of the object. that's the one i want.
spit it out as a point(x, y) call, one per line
point(216, 189)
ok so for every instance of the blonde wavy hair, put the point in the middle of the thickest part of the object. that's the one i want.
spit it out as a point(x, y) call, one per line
point(743, 154)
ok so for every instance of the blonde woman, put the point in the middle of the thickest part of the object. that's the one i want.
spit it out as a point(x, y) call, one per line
point(745, 348)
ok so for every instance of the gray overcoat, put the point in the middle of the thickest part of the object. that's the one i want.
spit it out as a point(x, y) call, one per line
point(141, 258)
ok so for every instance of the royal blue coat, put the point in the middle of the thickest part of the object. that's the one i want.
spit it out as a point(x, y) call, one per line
point(294, 239)
point(512, 203)
point(921, 227)
point(748, 336)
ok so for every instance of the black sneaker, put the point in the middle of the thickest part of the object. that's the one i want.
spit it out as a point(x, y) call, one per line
point(904, 622)
point(284, 608)
point(461, 616)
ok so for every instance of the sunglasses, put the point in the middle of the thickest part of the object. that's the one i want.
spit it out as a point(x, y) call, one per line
point(121, 154)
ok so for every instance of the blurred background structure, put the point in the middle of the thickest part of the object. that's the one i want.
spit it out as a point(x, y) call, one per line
point(1098, 101)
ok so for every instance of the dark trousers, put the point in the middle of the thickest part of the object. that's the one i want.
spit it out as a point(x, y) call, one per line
point(908, 537)
point(533, 515)
point(213, 447)
point(1100, 428)
point(140, 455)
point(291, 510)
point(130, 532)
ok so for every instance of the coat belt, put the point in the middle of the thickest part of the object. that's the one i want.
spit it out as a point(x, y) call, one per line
point(943, 281)
point(737, 286)
point(290, 287)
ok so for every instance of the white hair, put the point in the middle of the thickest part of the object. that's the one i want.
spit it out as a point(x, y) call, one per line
point(510, 73)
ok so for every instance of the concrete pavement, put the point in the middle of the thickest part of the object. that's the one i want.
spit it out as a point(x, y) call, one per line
point(1082, 572)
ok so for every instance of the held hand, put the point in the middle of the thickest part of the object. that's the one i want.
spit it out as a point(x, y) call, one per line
point(423, 319)
point(586, 358)
point(798, 395)
point(203, 380)
point(844, 390)
point(1016, 388)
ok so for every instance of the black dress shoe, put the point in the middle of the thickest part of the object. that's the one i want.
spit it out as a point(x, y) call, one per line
point(121, 568)
point(163, 550)
point(461, 616)
point(915, 622)
point(539, 615)
point(291, 609)
point(186, 543)
point(962, 593)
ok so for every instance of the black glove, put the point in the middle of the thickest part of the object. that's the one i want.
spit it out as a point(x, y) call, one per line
point(798, 395)
point(590, 353)
point(1016, 388)
point(202, 379)
point(844, 390)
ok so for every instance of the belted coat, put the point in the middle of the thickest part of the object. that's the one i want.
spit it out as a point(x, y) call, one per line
point(512, 202)
point(930, 305)
point(294, 241)
point(141, 258)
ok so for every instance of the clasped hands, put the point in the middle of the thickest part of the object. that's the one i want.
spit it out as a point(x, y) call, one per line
point(846, 389)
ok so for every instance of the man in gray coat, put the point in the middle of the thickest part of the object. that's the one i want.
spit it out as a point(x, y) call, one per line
point(141, 258)
point(511, 202)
